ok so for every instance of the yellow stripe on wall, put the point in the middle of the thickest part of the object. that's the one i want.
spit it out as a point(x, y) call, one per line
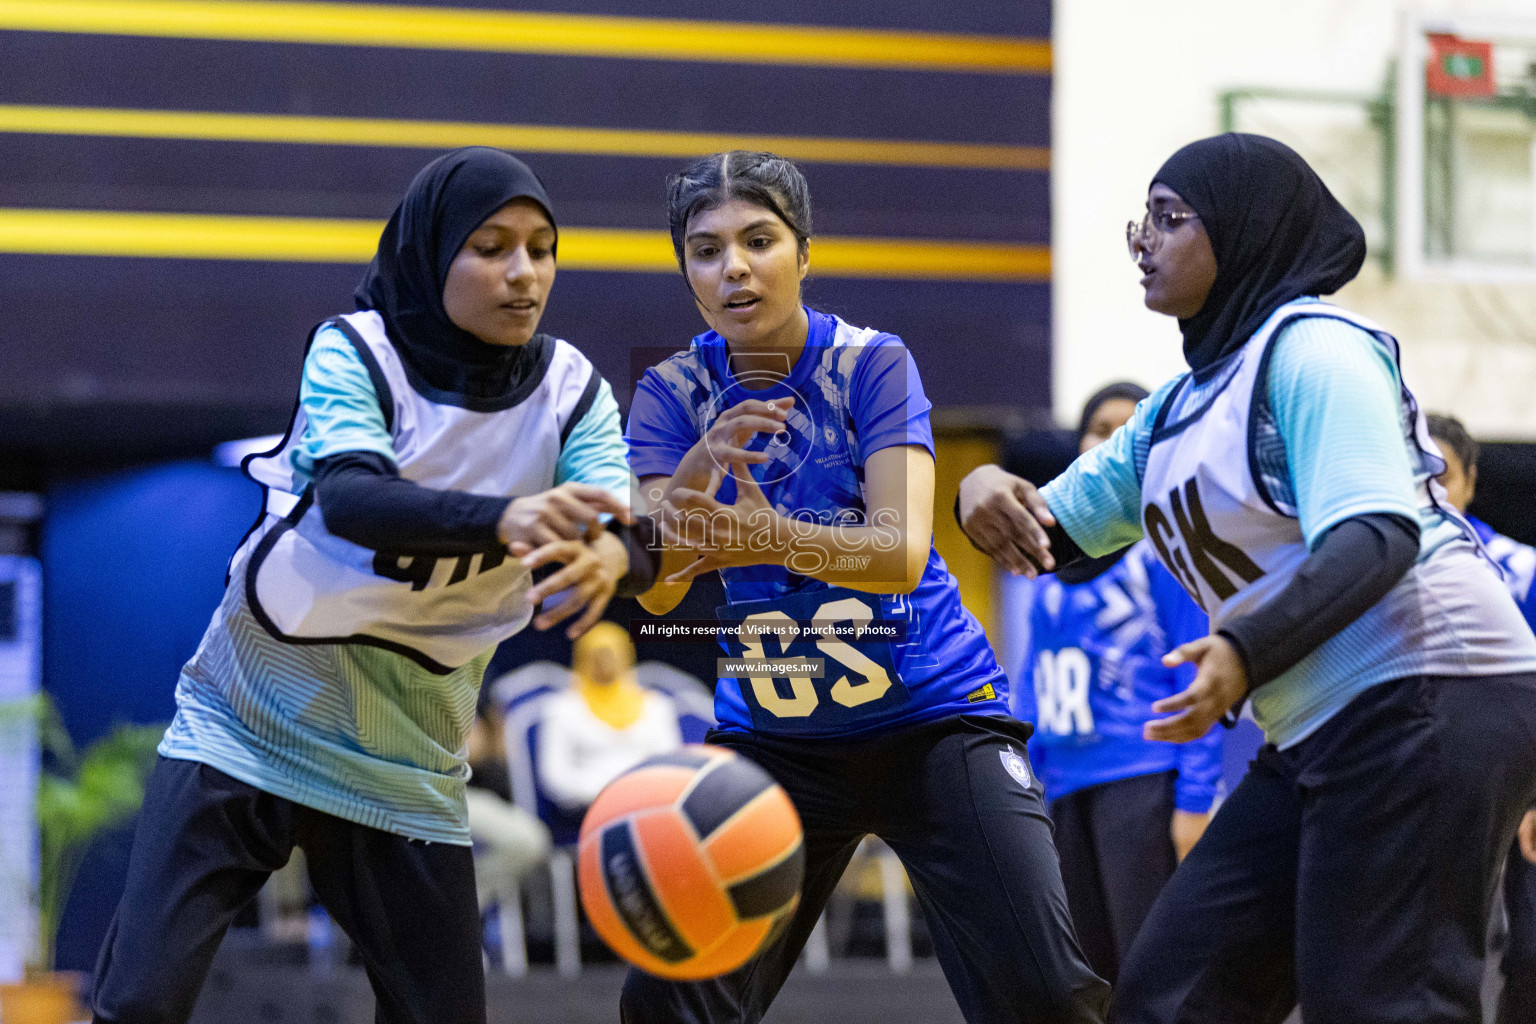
point(324, 240)
point(446, 28)
point(361, 131)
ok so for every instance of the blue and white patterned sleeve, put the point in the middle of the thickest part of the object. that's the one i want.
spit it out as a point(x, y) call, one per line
point(887, 401)
point(1335, 394)
point(660, 431)
point(594, 452)
point(340, 404)
point(1098, 499)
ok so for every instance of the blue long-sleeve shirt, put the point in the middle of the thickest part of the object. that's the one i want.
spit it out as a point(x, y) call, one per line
point(1095, 660)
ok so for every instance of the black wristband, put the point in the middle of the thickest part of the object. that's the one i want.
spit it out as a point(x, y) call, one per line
point(644, 555)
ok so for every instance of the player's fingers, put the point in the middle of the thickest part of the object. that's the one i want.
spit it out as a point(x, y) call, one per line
point(998, 544)
point(698, 567)
point(572, 507)
point(778, 408)
point(1180, 728)
point(519, 548)
point(542, 535)
point(1017, 560)
point(687, 499)
point(595, 608)
point(562, 551)
point(746, 483)
point(566, 578)
point(552, 517)
point(599, 500)
point(578, 565)
point(743, 427)
point(674, 526)
point(576, 598)
point(1029, 495)
point(1181, 700)
point(729, 455)
point(1025, 530)
point(1190, 652)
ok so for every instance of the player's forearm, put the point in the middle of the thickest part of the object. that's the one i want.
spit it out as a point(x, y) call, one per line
point(662, 597)
point(1354, 566)
point(364, 500)
point(885, 558)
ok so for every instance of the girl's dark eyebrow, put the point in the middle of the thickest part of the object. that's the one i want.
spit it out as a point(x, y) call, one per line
point(501, 229)
point(759, 223)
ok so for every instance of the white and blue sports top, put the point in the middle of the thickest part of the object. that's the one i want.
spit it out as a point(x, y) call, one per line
point(346, 680)
point(1235, 477)
point(306, 585)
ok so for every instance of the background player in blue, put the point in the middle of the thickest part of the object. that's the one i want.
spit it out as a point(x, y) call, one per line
point(796, 452)
point(1126, 809)
point(1518, 563)
point(328, 707)
point(1287, 481)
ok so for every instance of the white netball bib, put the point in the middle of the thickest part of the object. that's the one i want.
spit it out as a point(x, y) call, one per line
point(1205, 506)
point(306, 585)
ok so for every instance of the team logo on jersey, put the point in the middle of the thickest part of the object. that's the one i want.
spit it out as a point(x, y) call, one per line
point(828, 433)
point(1017, 766)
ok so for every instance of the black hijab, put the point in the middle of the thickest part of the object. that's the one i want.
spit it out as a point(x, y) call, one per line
point(1120, 389)
point(1085, 569)
point(448, 199)
point(1277, 232)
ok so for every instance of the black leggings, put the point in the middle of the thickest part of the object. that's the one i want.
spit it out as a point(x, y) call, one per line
point(1518, 1003)
point(1352, 873)
point(1116, 846)
point(206, 843)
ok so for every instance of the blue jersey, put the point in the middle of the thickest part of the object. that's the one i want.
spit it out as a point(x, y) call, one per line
point(1095, 660)
point(892, 659)
point(1516, 561)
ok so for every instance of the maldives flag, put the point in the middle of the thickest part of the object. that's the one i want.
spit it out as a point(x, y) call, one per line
point(1459, 67)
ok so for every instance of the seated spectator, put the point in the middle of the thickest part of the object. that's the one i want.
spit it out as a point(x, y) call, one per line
point(602, 726)
point(509, 841)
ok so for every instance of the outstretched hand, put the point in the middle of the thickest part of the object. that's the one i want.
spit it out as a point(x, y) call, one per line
point(1005, 516)
point(724, 443)
point(1220, 682)
point(589, 576)
point(697, 520)
point(568, 512)
point(1528, 836)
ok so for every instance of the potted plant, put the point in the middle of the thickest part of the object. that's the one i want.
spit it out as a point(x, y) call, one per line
point(79, 796)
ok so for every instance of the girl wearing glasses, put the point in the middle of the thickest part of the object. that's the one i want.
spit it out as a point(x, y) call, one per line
point(1287, 481)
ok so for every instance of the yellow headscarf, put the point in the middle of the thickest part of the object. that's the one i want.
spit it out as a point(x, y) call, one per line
point(603, 672)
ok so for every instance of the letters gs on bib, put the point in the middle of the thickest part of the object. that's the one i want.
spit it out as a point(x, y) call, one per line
point(860, 678)
point(1188, 546)
point(418, 570)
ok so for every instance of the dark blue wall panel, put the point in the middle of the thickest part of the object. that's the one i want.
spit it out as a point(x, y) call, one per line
point(132, 569)
point(128, 358)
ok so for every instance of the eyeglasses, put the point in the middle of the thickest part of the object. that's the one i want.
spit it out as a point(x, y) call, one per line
point(1161, 222)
